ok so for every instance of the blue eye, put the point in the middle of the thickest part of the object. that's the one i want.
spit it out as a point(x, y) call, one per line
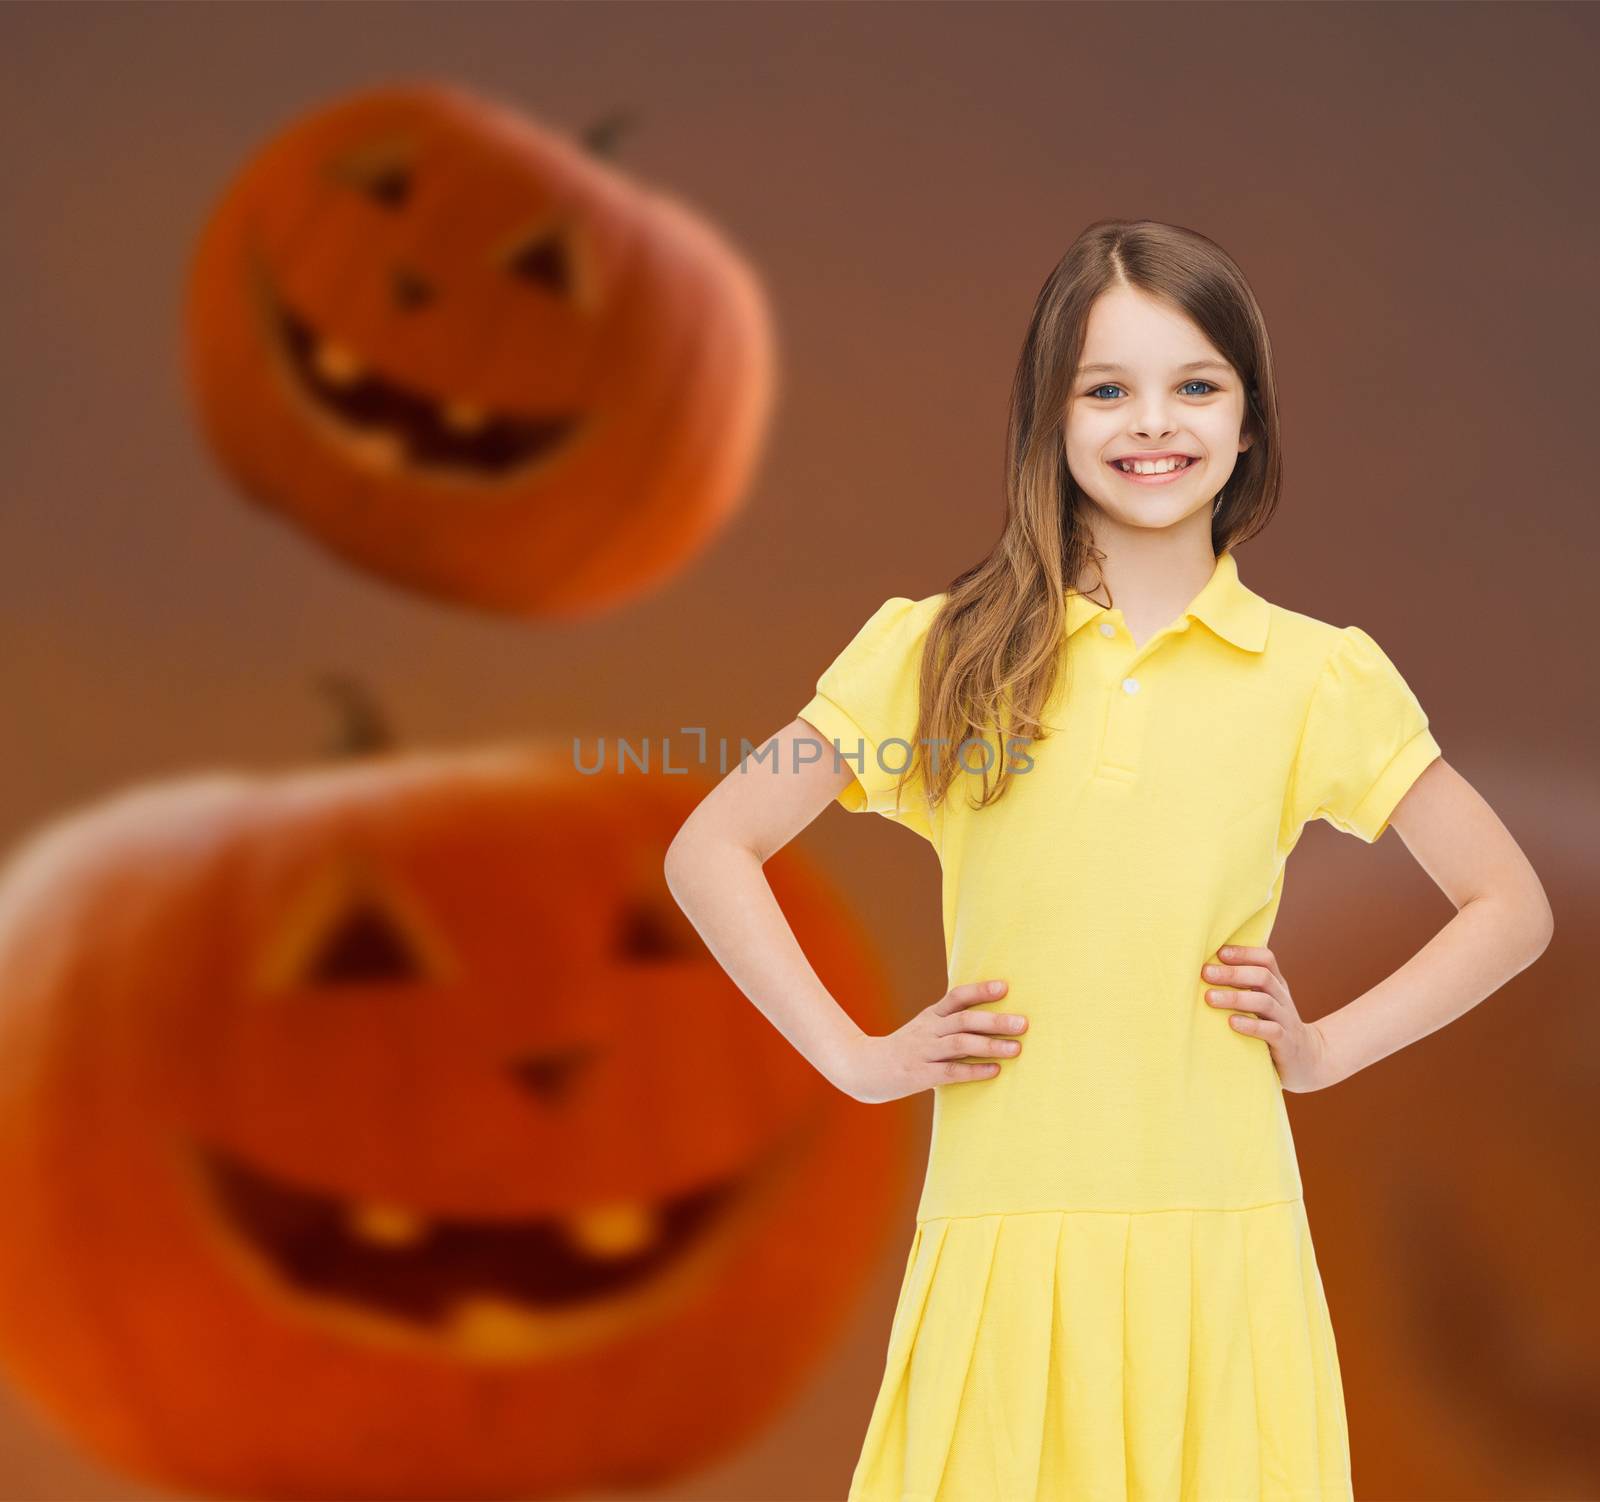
point(1112, 386)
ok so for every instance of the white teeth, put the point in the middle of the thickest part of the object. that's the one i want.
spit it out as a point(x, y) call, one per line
point(490, 1326)
point(1151, 467)
point(336, 364)
point(613, 1230)
point(388, 1225)
point(464, 417)
point(617, 1230)
point(379, 449)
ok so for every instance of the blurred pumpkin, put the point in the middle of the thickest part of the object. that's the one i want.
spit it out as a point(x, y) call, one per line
point(1450, 1184)
point(464, 353)
point(385, 1130)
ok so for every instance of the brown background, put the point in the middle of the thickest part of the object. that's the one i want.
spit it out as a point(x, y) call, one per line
point(1408, 187)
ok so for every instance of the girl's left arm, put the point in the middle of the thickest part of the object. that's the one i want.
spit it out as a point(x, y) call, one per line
point(1503, 923)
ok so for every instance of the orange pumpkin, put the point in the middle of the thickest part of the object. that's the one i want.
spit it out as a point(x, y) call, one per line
point(464, 353)
point(384, 1130)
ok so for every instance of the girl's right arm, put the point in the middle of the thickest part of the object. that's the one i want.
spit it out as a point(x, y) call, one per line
point(714, 871)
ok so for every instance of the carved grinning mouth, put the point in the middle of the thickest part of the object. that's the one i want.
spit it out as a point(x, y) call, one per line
point(509, 1285)
point(390, 423)
point(418, 1266)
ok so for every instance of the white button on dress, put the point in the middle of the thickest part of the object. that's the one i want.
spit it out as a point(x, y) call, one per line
point(1130, 685)
point(1107, 629)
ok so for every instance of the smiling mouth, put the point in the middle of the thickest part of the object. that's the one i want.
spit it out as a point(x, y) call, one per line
point(386, 424)
point(1156, 477)
point(510, 1287)
point(1177, 461)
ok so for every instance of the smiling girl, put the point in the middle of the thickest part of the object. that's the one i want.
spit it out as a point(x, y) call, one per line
point(1114, 744)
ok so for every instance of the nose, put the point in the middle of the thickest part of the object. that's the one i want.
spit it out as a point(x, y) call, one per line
point(1154, 424)
point(551, 1075)
point(1152, 418)
point(409, 290)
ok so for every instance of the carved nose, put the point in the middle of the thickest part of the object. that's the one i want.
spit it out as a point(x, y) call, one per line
point(551, 1075)
point(409, 290)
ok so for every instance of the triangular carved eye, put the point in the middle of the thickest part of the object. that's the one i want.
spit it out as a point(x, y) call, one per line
point(649, 931)
point(383, 170)
point(545, 261)
point(351, 922)
point(362, 947)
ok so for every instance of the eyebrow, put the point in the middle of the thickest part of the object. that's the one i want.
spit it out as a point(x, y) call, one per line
point(1192, 365)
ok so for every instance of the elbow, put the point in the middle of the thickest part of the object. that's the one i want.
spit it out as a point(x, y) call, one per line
point(1522, 922)
point(1544, 929)
point(1535, 925)
point(699, 848)
point(1541, 919)
point(672, 864)
point(679, 863)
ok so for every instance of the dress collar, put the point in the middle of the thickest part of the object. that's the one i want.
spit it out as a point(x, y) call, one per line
point(1230, 609)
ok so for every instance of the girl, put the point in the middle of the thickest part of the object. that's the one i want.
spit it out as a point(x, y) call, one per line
point(1113, 744)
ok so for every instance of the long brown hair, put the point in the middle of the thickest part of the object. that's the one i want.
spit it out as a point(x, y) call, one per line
point(994, 649)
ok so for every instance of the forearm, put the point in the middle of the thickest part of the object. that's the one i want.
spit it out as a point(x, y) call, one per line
point(723, 889)
point(1489, 940)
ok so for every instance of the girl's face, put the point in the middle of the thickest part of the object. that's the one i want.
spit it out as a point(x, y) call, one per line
point(1151, 384)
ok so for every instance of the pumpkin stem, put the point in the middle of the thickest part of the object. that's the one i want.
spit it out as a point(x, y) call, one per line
point(601, 137)
point(362, 728)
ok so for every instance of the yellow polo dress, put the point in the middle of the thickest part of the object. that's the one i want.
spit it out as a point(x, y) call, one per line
point(1111, 1293)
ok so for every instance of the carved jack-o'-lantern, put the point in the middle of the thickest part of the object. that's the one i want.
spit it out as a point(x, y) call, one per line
point(386, 1131)
point(464, 353)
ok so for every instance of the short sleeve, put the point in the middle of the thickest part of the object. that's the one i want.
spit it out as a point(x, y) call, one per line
point(866, 704)
point(1365, 741)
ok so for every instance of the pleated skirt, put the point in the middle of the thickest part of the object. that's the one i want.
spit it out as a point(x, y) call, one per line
point(1105, 1356)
